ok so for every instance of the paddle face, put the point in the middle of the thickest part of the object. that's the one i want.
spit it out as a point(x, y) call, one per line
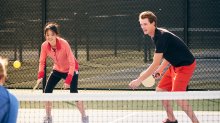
point(148, 82)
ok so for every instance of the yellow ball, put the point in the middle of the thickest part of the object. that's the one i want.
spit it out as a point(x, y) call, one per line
point(17, 64)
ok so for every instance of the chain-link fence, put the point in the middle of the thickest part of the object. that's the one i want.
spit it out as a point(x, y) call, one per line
point(106, 38)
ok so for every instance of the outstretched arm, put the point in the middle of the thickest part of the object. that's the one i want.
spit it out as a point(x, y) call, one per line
point(150, 70)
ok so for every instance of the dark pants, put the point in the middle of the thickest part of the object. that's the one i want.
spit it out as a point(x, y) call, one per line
point(55, 77)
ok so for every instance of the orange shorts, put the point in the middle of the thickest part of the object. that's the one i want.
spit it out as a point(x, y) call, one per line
point(177, 78)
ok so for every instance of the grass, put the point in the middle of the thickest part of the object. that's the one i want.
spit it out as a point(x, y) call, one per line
point(25, 77)
point(102, 63)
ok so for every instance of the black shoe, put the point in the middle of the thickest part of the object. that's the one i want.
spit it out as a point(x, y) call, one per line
point(168, 121)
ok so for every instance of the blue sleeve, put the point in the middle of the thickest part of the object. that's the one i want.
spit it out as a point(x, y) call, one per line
point(13, 110)
point(8, 106)
point(4, 105)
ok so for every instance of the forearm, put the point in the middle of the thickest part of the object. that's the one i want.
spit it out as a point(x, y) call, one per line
point(151, 69)
point(163, 65)
point(72, 64)
point(148, 72)
point(71, 59)
point(42, 59)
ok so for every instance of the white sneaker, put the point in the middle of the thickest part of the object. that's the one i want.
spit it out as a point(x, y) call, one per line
point(47, 119)
point(85, 119)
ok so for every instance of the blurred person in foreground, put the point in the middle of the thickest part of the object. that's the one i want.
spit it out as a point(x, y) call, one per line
point(169, 50)
point(65, 67)
point(8, 102)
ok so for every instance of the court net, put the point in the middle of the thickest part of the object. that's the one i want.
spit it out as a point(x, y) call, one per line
point(119, 107)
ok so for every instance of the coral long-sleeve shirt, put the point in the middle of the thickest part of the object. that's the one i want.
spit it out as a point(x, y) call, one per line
point(62, 56)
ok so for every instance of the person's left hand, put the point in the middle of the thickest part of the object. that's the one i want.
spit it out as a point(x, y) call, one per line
point(66, 86)
point(156, 75)
point(134, 84)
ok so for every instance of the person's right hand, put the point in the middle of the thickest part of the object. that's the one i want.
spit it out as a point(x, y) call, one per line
point(134, 84)
point(39, 80)
point(37, 84)
point(66, 86)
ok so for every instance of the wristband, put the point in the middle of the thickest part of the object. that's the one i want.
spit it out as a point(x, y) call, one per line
point(69, 79)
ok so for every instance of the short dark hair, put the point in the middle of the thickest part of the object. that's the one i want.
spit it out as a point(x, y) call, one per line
point(150, 15)
point(51, 26)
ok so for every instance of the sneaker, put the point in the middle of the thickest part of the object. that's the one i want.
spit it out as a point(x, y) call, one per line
point(47, 119)
point(168, 121)
point(85, 119)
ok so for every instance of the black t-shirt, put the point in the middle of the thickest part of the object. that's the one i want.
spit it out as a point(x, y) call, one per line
point(173, 48)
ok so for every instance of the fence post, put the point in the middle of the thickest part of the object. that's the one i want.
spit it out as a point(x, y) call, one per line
point(76, 35)
point(147, 48)
point(186, 22)
point(115, 36)
point(87, 35)
point(44, 19)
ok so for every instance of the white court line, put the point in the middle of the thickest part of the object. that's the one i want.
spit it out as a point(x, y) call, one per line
point(122, 118)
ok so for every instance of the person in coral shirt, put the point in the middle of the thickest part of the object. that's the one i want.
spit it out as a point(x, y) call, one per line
point(65, 67)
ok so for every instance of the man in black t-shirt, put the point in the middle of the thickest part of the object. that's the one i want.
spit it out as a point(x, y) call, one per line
point(171, 50)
